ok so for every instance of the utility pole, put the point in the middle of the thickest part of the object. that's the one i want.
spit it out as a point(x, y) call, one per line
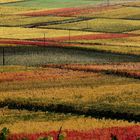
point(44, 39)
point(87, 24)
point(3, 52)
point(69, 35)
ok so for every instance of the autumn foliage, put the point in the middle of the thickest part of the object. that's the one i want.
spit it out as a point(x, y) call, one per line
point(122, 133)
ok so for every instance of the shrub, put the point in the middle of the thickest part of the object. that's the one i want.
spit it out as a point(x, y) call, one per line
point(4, 133)
point(113, 137)
point(46, 138)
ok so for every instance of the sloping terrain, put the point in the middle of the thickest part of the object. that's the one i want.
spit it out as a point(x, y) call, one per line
point(70, 69)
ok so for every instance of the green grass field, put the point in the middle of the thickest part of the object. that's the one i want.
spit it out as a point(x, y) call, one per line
point(54, 3)
point(58, 4)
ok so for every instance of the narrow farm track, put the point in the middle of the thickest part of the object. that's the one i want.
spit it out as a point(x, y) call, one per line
point(73, 20)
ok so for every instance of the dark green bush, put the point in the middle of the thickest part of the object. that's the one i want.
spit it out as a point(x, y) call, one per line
point(4, 133)
point(113, 137)
point(46, 138)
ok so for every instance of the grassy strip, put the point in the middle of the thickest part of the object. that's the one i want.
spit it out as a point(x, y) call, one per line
point(46, 121)
point(102, 25)
point(108, 111)
point(38, 56)
point(9, 1)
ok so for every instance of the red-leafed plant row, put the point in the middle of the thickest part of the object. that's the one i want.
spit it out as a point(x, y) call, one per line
point(57, 40)
point(115, 133)
point(67, 12)
point(124, 70)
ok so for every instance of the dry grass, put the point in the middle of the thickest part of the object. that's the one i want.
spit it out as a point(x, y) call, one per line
point(6, 1)
point(72, 123)
point(30, 33)
point(19, 20)
point(102, 25)
point(41, 74)
point(84, 91)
